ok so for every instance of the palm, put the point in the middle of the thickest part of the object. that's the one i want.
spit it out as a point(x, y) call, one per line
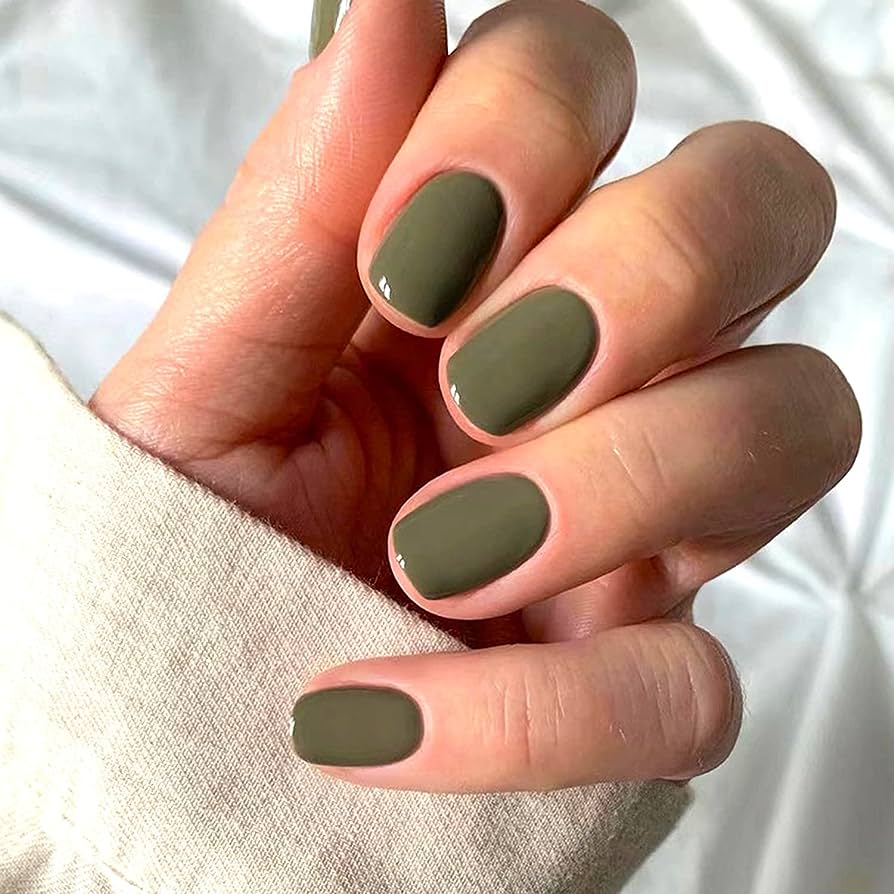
point(380, 432)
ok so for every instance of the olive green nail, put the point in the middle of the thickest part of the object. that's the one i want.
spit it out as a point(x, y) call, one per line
point(524, 360)
point(439, 246)
point(356, 726)
point(470, 536)
point(327, 16)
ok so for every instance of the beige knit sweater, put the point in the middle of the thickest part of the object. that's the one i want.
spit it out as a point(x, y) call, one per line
point(152, 641)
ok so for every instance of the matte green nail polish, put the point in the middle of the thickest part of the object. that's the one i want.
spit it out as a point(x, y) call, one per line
point(471, 535)
point(327, 16)
point(356, 727)
point(439, 246)
point(525, 360)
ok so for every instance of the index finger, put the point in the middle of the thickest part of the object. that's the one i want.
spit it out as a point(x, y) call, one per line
point(535, 100)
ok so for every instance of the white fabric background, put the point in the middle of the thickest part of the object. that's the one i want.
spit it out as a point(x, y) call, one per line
point(121, 122)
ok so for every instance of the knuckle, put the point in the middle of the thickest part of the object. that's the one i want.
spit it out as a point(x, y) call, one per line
point(787, 175)
point(835, 408)
point(812, 189)
point(574, 61)
point(698, 700)
point(568, 20)
point(767, 219)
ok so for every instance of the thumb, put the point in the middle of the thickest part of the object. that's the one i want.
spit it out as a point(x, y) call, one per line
point(270, 296)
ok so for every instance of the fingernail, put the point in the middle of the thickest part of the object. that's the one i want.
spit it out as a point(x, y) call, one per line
point(470, 536)
point(439, 246)
point(523, 361)
point(356, 726)
point(327, 16)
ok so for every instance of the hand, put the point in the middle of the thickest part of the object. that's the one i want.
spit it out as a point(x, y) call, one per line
point(547, 504)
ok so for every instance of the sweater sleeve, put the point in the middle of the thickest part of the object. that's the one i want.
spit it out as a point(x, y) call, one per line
point(153, 638)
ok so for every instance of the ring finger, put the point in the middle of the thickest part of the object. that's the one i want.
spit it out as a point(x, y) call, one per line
point(694, 473)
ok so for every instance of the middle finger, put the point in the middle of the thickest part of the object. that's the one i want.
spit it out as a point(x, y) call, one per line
point(649, 272)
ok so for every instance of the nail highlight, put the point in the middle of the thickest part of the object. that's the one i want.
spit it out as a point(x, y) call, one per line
point(356, 726)
point(524, 361)
point(327, 16)
point(439, 246)
point(471, 535)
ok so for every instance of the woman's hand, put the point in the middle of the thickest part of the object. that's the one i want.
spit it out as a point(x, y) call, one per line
point(520, 480)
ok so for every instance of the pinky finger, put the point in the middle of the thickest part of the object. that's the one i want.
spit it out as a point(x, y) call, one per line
point(658, 700)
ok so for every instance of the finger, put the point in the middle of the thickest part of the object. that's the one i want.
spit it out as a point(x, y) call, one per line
point(637, 592)
point(688, 473)
point(679, 261)
point(270, 296)
point(536, 98)
point(656, 700)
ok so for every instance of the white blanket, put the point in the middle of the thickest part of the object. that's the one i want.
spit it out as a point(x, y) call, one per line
point(121, 122)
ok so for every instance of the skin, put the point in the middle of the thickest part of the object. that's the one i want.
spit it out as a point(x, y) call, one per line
point(277, 375)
